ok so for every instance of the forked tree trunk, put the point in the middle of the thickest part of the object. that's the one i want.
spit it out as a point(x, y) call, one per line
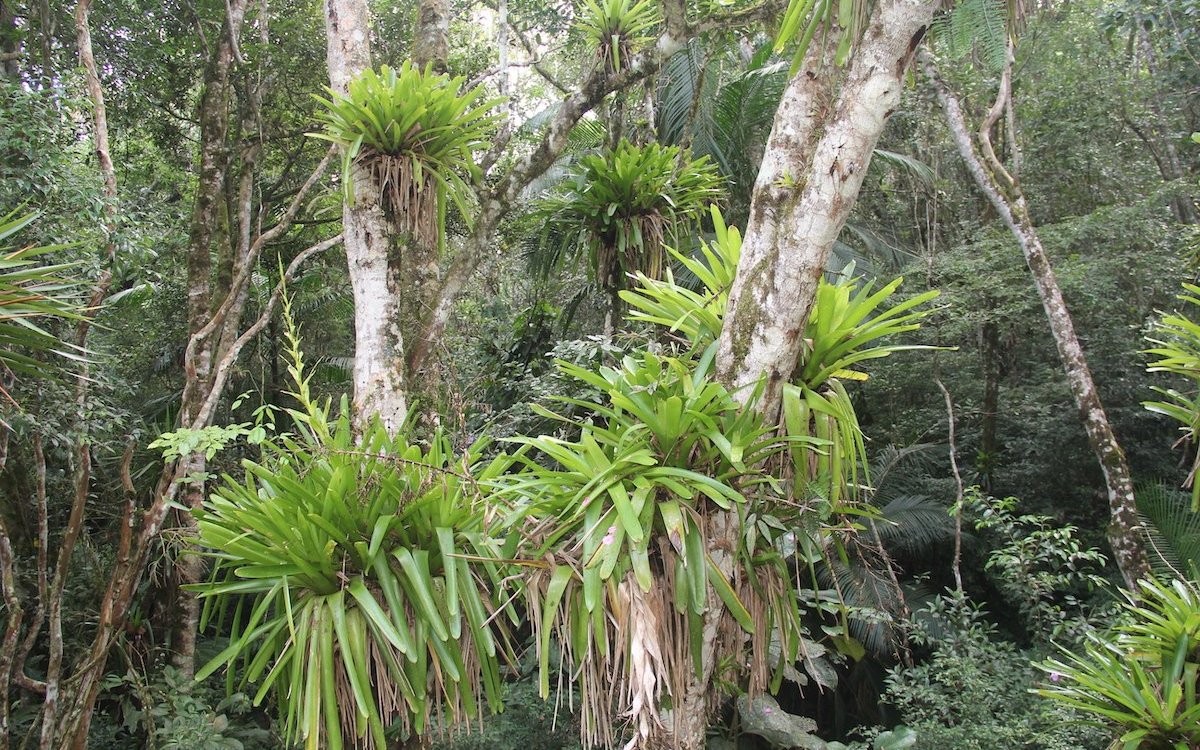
point(379, 384)
point(1012, 208)
point(825, 131)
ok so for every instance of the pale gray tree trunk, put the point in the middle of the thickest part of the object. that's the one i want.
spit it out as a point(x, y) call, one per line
point(379, 386)
point(1010, 204)
point(825, 131)
point(824, 134)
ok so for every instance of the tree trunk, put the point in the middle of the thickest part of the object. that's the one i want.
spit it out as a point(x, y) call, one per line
point(418, 264)
point(10, 42)
point(825, 131)
point(379, 384)
point(431, 39)
point(989, 352)
point(209, 234)
point(1126, 545)
point(824, 134)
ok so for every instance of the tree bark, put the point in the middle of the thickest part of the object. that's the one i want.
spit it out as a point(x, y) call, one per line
point(989, 352)
point(431, 39)
point(1012, 208)
point(379, 364)
point(210, 234)
point(825, 131)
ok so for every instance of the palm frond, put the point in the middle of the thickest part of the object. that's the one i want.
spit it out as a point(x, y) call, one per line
point(1172, 530)
point(914, 525)
point(32, 292)
point(909, 165)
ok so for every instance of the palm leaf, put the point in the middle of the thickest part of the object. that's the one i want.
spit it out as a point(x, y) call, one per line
point(32, 293)
point(1172, 530)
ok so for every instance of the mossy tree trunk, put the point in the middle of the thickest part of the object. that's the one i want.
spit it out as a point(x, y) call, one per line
point(825, 132)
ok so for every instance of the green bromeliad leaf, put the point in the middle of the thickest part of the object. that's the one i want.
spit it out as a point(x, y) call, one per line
point(359, 577)
point(415, 133)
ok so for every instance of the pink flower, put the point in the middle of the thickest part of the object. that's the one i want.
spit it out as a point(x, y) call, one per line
point(612, 529)
point(608, 539)
point(1055, 676)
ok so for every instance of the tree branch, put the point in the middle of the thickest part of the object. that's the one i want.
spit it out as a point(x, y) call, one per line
point(496, 201)
point(222, 370)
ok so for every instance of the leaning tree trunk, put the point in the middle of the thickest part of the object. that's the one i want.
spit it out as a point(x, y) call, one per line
point(824, 134)
point(825, 131)
point(1122, 535)
point(379, 383)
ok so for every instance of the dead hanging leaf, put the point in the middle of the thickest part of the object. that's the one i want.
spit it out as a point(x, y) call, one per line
point(407, 193)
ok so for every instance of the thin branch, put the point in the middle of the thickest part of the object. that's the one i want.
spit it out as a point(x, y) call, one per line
point(222, 370)
point(500, 69)
point(43, 586)
point(265, 238)
point(15, 613)
point(956, 565)
point(999, 106)
point(535, 58)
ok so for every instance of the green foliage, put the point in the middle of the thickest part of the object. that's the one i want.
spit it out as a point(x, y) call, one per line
point(30, 293)
point(625, 513)
point(617, 28)
point(528, 723)
point(846, 321)
point(626, 205)
point(1140, 677)
point(208, 440)
point(178, 714)
point(357, 576)
point(1172, 531)
point(973, 692)
point(1178, 352)
point(1038, 565)
point(974, 25)
point(415, 134)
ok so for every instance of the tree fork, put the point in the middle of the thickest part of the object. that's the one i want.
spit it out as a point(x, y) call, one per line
point(1128, 551)
point(822, 140)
